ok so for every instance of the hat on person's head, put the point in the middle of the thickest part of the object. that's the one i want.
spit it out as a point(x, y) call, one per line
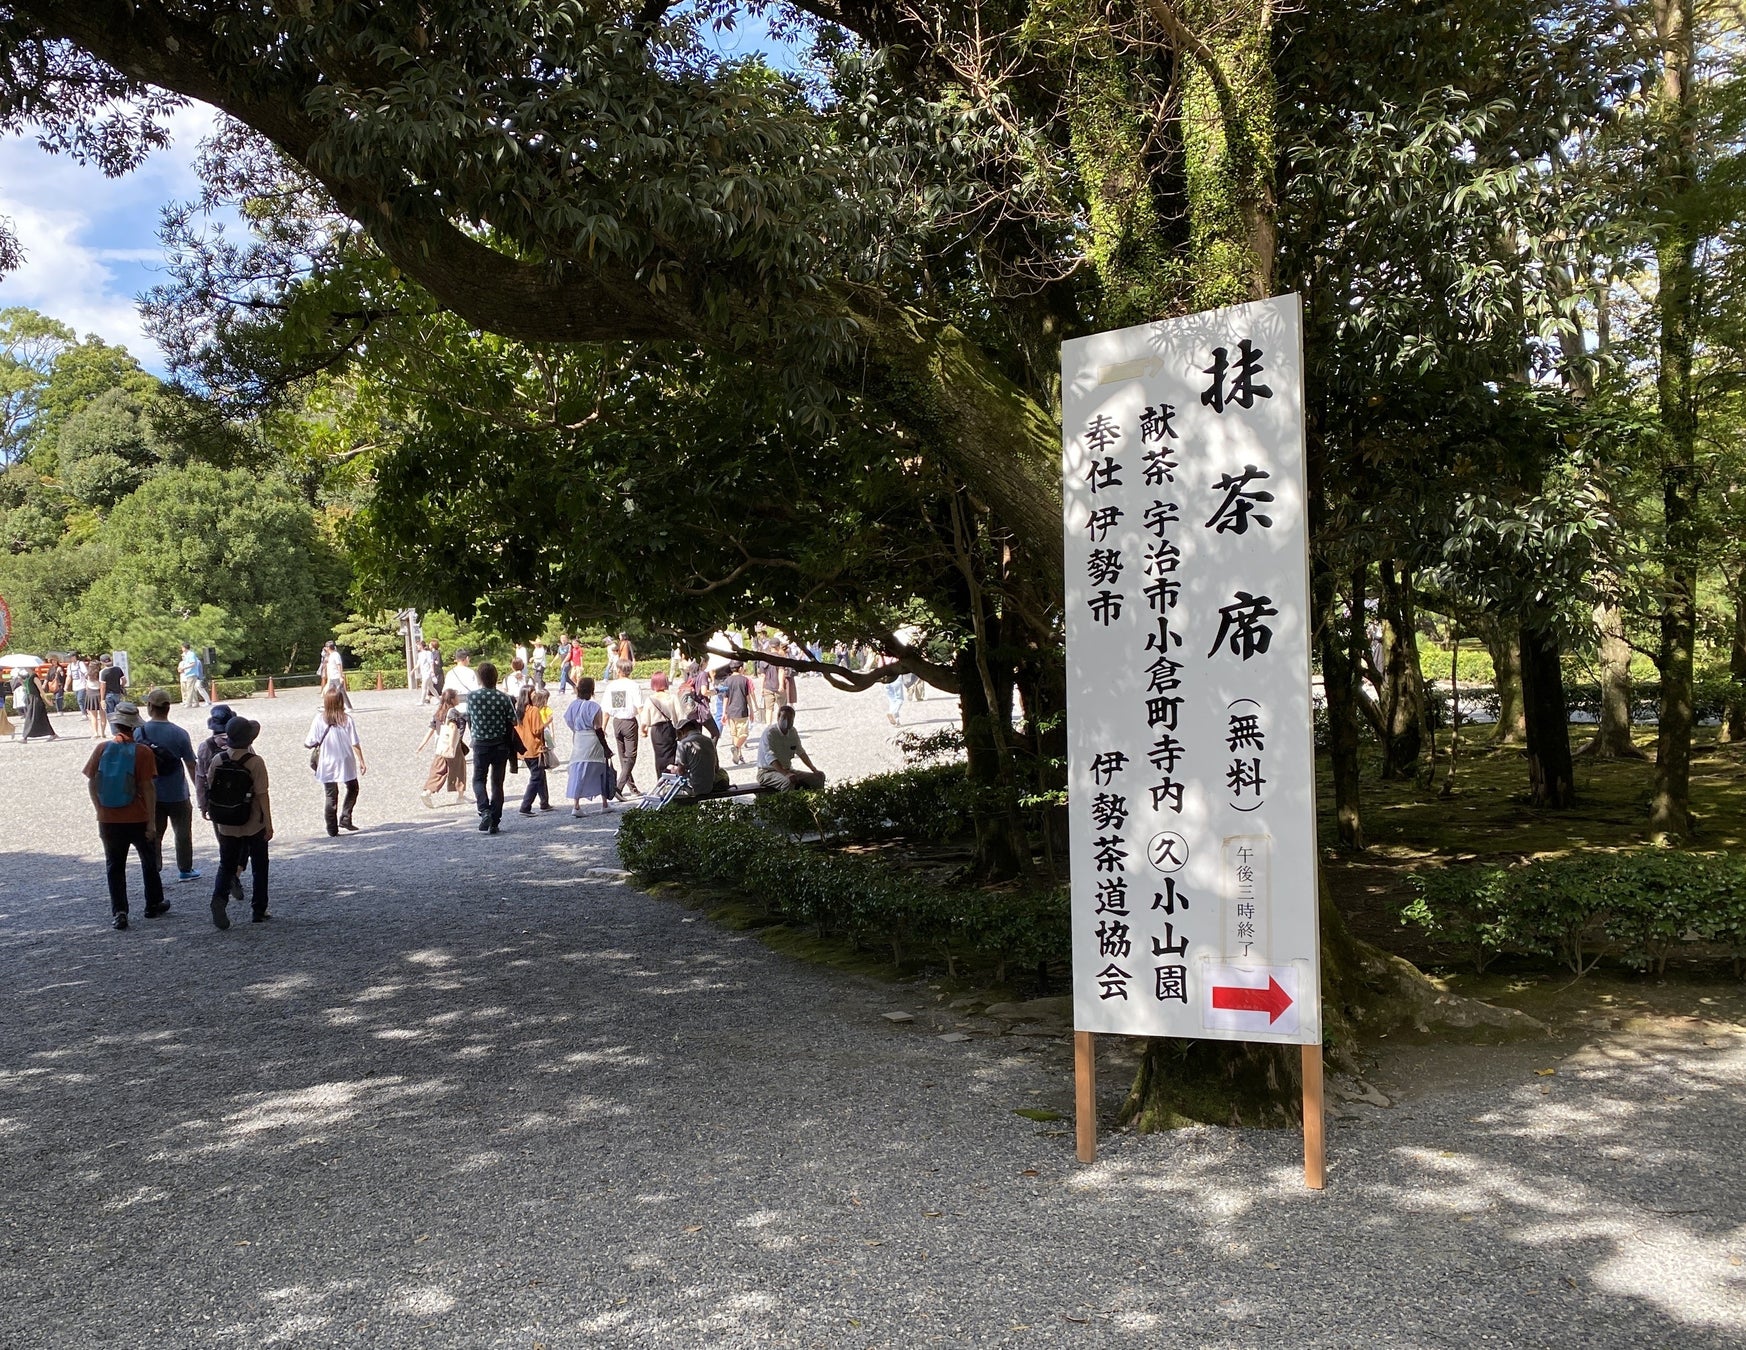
point(219, 718)
point(159, 697)
point(242, 732)
point(125, 715)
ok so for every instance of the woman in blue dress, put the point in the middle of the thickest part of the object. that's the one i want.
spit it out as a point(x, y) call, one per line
point(590, 767)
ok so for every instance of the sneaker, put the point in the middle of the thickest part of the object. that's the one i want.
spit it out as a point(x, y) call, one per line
point(187, 876)
point(153, 911)
point(236, 888)
point(219, 918)
point(576, 813)
point(425, 797)
point(259, 916)
point(120, 922)
point(525, 810)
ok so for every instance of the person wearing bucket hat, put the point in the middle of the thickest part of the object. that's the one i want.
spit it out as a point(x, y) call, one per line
point(216, 722)
point(122, 778)
point(242, 814)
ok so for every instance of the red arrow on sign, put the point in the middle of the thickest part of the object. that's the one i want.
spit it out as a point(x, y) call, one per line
point(1272, 1000)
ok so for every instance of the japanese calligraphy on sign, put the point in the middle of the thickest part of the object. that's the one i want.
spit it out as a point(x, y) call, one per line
point(1191, 767)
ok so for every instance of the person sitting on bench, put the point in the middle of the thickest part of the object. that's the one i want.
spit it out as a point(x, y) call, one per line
point(697, 761)
point(776, 754)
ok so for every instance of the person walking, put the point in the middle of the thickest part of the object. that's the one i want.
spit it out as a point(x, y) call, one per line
point(242, 813)
point(189, 670)
point(623, 700)
point(537, 664)
point(491, 713)
point(448, 771)
point(95, 711)
point(462, 678)
point(534, 733)
point(661, 724)
point(770, 693)
point(590, 768)
point(215, 744)
point(113, 681)
point(424, 672)
point(337, 756)
point(736, 702)
point(173, 751)
point(36, 723)
point(121, 775)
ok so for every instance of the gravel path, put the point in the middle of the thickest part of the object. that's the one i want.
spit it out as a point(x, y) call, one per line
point(465, 1092)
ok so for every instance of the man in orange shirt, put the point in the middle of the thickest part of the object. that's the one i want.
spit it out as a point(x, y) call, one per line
point(122, 775)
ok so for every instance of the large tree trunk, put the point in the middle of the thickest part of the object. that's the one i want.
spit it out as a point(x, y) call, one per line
point(1676, 305)
point(1403, 682)
point(1502, 640)
point(1551, 778)
point(1612, 738)
point(1734, 715)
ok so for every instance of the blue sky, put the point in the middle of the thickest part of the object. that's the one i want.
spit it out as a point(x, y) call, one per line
point(91, 243)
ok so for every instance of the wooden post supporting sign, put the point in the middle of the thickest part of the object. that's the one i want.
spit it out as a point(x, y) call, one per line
point(1085, 1094)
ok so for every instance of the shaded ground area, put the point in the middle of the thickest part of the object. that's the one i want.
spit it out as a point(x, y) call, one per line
point(463, 1092)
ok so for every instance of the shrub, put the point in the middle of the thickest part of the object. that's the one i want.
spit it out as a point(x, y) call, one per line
point(861, 900)
point(1637, 906)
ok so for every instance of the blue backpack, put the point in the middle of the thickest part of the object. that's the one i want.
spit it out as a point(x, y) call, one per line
point(115, 774)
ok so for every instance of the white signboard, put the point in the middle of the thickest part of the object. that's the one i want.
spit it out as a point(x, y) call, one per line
point(1191, 753)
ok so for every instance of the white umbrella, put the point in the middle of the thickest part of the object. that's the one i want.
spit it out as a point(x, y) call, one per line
point(21, 662)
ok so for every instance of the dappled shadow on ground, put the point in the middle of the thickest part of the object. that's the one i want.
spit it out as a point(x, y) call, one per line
point(472, 1098)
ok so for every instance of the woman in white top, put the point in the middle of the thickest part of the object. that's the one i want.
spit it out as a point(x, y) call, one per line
point(338, 758)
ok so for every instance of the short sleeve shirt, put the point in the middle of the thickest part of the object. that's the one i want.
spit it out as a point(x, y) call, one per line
point(777, 749)
point(492, 713)
point(622, 698)
point(170, 738)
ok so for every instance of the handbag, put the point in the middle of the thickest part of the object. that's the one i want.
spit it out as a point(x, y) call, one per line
point(315, 750)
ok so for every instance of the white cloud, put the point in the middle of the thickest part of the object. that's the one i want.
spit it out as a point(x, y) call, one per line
point(90, 242)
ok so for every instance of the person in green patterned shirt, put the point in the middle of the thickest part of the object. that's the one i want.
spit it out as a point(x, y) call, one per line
point(491, 714)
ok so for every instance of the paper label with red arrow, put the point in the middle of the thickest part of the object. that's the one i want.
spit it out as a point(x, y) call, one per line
point(1250, 998)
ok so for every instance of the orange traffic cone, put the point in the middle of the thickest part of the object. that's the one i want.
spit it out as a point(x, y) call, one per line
point(270, 693)
point(378, 681)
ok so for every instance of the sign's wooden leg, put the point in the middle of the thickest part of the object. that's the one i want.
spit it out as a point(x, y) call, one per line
point(1314, 1144)
point(1085, 1094)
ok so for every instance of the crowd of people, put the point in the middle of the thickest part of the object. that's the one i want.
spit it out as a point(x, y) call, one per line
point(147, 778)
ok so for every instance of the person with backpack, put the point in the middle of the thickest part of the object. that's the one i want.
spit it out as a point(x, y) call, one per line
point(216, 722)
point(173, 751)
point(237, 802)
point(122, 780)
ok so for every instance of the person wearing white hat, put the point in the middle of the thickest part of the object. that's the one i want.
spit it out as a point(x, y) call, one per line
point(122, 778)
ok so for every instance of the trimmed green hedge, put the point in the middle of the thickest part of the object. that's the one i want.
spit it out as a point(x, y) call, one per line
point(1637, 906)
point(866, 902)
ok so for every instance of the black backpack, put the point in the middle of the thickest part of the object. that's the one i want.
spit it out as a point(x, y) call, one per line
point(167, 760)
point(230, 791)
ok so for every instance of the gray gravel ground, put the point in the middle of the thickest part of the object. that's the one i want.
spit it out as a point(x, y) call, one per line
point(463, 1092)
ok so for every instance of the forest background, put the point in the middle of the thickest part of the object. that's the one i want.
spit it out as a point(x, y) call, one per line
point(546, 308)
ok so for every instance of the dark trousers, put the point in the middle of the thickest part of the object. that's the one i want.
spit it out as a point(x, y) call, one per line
point(117, 840)
point(233, 851)
point(536, 787)
point(490, 759)
point(664, 745)
point(177, 817)
point(624, 736)
point(335, 812)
